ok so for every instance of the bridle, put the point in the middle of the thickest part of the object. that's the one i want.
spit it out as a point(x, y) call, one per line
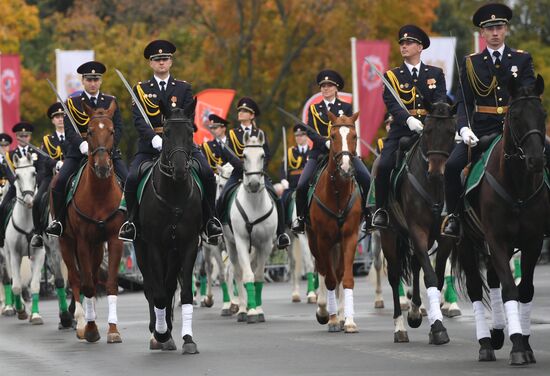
point(101, 149)
point(167, 169)
point(252, 173)
point(519, 141)
point(338, 156)
point(27, 192)
point(436, 152)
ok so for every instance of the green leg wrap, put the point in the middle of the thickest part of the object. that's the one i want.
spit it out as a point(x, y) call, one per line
point(18, 303)
point(35, 299)
point(517, 268)
point(81, 298)
point(310, 282)
point(251, 295)
point(193, 287)
point(225, 291)
point(203, 282)
point(235, 289)
point(9, 295)
point(62, 299)
point(316, 281)
point(450, 292)
point(259, 286)
point(401, 288)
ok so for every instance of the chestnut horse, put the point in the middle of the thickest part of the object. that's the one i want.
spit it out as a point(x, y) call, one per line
point(93, 218)
point(333, 228)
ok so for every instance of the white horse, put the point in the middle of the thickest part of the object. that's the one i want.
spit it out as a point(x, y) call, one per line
point(253, 218)
point(18, 236)
point(7, 307)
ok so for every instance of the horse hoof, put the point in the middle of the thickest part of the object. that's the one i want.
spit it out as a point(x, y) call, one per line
point(203, 304)
point(487, 355)
point(312, 299)
point(22, 315)
point(234, 308)
point(242, 317)
point(296, 298)
point(351, 329)
point(334, 328)
point(321, 319)
point(80, 333)
point(530, 357)
point(169, 345)
point(92, 335)
point(261, 317)
point(252, 319)
point(189, 347)
point(208, 302)
point(518, 358)
point(379, 304)
point(8, 311)
point(438, 334)
point(400, 337)
point(65, 320)
point(497, 338)
point(453, 313)
point(226, 312)
point(154, 344)
point(414, 322)
point(36, 319)
point(114, 338)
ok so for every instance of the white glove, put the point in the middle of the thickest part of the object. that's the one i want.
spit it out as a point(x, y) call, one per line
point(414, 124)
point(156, 142)
point(327, 144)
point(468, 137)
point(58, 165)
point(284, 183)
point(84, 147)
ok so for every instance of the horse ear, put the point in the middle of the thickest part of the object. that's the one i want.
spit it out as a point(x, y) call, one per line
point(261, 137)
point(332, 117)
point(513, 87)
point(539, 85)
point(15, 159)
point(189, 110)
point(354, 117)
point(112, 108)
point(88, 110)
point(246, 137)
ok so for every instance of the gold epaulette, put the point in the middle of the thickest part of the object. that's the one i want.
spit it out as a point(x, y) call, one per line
point(478, 86)
point(237, 146)
point(521, 51)
point(81, 118)
point(380, 144)
point(317, 118)
point(293, 162)
point(53, 151)
point(150, 108)
point(10, 163)
point(213, 161)
point(400, 89)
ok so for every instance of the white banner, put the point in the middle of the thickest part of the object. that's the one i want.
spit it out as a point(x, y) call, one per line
point(441, 53)
point(68, 81)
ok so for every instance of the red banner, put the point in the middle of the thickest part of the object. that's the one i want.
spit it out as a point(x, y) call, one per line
point(10, 78)
point(370, 87)
point(210, 101)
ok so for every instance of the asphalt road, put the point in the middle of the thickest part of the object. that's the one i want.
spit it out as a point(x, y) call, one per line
point(289, 343)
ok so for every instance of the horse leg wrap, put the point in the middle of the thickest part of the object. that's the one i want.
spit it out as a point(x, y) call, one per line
point(203, 282)
point(235, 289)
point(35, 299)
point(18, 303)
point(160, 322)
point(482, 329)
point(401, 288)
point(525, 317)
point(332, 307)
point(511, 308)
point(193, 287)
point(450, 292)
point(517, 267)
point(348, 303)
point(225, 292)
point(89, 312)
point(112, 319)
point(310, 282)
point(251, 294)
point(316, 281)
point(186, 320)
point(9, 295)
point(258, 287)
point(62, 299)
point(497, 309)
point(434, 310)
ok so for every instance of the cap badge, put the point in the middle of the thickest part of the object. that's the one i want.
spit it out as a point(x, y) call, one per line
point(160, 50)
point(405, 35)
point(493, 16)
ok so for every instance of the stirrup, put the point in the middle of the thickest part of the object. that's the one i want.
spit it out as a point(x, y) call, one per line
point(127, 232)
point(37, 241)
point(380, 211)
point(445, 226)
point(283, 241)
point(298, 226)
point(55, 229)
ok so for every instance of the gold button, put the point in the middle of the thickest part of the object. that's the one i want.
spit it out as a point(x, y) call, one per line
point(500, 99)
point(498, 87)
point(500, 110)
point(419, 105)
point(417, 95)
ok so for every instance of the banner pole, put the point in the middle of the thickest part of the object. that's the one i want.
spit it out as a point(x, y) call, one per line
point(1, 98)
point(355, 89)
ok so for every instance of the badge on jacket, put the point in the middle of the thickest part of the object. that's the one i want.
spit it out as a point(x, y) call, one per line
point(431, 83)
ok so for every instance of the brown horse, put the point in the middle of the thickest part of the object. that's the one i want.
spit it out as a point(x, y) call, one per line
point(93, 218)
point(333, 229)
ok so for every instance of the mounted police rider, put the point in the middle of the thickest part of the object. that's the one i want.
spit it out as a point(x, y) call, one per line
point(77, 146)
point(414, 82)
point(248, 111)
point(55, 146)
point(212, 150)
point(484, 98)
point(176, 94)
point(6, 175)
point(329, 82)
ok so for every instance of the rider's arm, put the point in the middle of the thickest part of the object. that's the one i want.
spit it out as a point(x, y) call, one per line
point(464, 99)
point(144, 130)
point(399, 114)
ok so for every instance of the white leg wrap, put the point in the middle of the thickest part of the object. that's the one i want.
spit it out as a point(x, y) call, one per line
point(89, 311)
point(434, 310)
point(525, 317)
point(160, 323)
point(482, 329)
point(331, 302)
point(399, 324)
point(497, 309)
point(112, 319)
point(512, 314)
point(348, 303)
point(186, 319)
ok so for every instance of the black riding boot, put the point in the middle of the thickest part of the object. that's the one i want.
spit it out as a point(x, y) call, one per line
point(283, 240)
point(298, 226)
point(128, 229)
point(213, 227)
point(56, 227)
point(381, 218)
point(2, 227)
point(36, 240)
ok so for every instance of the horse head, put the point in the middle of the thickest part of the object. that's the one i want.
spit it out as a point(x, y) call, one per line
point(253, 161)
point(343, 143)
point(438, 136)
point(25, 179)
point(101, 139)
point(526, 117)
point(222, 176)
point(177, 140)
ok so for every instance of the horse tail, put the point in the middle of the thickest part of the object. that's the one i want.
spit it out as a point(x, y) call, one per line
point(405, 256)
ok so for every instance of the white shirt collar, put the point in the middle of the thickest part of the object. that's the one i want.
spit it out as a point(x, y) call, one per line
point(21, 148)
point(410, 67)
point(244, 127)
point(90, 95)
point(302, 148)
point(222, 139)
point(501, 50)
point(165, 80)
point(59, 134)
point(327, 102)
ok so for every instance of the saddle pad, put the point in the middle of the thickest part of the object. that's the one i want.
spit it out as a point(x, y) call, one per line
point(290, 206)
point(73, 184)
point(478, 170)
point(231, 195)
point(323, 162)
point(9, 210)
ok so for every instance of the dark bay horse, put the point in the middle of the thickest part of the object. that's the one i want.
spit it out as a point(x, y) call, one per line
point(333, 228)
point(93, 218)
point(415, 217)
point(512, 207)
point(170, 217)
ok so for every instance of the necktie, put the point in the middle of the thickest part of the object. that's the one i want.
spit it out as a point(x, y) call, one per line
point(61, 138)
point(162, 86)
point(415, 74)
point(496, 55)
point(24, 152)
point(330, 106)
point(93, 100)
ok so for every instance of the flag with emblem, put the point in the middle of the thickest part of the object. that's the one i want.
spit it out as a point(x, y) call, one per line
point(441, 55)
point(67, 62)
point(210, 101)
point(10, 76)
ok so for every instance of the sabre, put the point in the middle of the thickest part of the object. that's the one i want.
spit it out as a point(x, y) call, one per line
point(69, 115)
point(134, 98)
point(38, 150)
point(387, 85)
point(285, 157)
point(368, 146)
point(461, 87)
